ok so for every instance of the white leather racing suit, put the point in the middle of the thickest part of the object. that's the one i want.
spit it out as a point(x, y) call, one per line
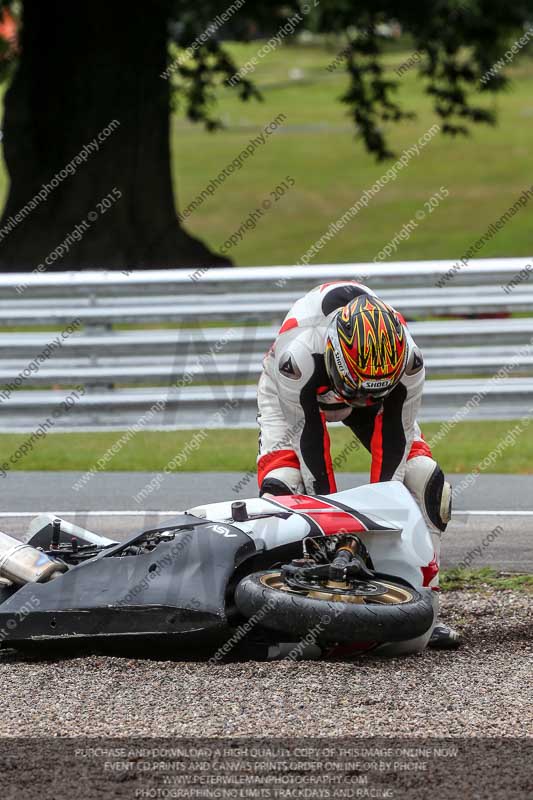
point(296, 401)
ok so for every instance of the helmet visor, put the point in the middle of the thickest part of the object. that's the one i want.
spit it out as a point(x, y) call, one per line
point(361, 396)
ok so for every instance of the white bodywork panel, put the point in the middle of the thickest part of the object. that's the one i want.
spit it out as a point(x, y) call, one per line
point(402, 550)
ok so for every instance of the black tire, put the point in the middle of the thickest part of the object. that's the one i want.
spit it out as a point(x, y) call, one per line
point(333, 620)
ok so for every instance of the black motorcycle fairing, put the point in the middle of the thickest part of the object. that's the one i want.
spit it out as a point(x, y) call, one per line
point(6, 591)
point(178, 588)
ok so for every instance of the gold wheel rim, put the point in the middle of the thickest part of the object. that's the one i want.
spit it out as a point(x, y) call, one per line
point(395, 595)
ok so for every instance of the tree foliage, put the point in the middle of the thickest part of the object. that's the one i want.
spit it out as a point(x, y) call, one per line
point(458, 41)
point(86, 63)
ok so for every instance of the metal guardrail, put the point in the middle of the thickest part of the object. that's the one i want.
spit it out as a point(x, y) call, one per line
point(194, 407)
point(250, 307)
point(99, 283)
point(118, 344)
point(136, 344)
point(232, 367)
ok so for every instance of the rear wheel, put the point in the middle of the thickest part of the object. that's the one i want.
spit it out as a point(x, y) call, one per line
point(383, 609)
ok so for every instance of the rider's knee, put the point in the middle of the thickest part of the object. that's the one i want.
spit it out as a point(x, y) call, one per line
point(425, 480)
point(280, 481)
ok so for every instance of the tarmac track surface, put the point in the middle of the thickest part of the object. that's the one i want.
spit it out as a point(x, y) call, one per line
point(494, 500)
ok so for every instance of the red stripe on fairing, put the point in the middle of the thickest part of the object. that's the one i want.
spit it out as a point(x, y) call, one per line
point(376, 448)
point(430, 572)
point(330, 520)
point(419, 448)
point(290, 323)
point(334, 522)
point(276, 460)
point(304, 502)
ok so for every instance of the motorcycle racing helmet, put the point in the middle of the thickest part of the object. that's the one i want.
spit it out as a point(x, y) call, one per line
point(365, 351)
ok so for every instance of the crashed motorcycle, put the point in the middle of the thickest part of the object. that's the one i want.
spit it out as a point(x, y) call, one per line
point(356, 569)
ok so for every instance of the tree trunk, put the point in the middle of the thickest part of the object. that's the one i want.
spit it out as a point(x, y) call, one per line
point(90, 73)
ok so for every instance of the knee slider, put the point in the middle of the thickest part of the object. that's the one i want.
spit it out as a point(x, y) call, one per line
point(284, 480)
point(425, 480)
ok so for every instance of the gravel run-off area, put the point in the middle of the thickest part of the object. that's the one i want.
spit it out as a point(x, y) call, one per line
point(483, 689)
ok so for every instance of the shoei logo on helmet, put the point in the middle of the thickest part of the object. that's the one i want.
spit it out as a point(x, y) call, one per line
point(338, 360)
point(333, 346)
point(375, 386)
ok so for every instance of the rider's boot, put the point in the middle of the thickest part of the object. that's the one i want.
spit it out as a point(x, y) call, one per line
point(282, 481)
point(445, 638)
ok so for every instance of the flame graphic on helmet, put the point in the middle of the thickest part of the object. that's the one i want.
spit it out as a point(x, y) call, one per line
point(371, 340)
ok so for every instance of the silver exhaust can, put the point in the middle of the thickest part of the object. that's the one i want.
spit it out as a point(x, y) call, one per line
point(21, 563)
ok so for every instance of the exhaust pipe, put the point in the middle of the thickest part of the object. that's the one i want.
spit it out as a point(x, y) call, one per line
point(21, 563)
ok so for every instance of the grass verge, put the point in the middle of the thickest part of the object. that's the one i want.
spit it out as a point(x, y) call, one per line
point(475, 580)
point(461, 450)
point(316, 145)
